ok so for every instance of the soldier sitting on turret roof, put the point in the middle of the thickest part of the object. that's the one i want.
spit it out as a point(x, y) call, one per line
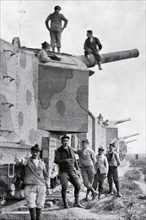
point(90, 47)
point(42, 55)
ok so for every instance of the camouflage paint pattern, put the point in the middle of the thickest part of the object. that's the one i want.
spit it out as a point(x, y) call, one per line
point(63, 97)
point(18, 95)
point(27, 113)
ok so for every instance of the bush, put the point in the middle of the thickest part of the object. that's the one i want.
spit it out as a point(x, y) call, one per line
point(141, 163)
point(133, 175)
point(128, 187)
point(138, 163)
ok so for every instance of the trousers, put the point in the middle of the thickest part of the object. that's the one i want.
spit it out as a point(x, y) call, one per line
point(35, 196)
point(55, 39)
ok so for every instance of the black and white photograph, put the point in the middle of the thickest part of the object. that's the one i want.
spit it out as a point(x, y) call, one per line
point(72, 110)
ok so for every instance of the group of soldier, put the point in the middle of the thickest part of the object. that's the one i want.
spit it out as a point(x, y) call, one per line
point(93, 168)
point(53, 23)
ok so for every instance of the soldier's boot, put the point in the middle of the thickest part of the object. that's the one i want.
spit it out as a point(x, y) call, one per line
point(99, 195)
point(65, 203)
point(89, 58)
point(94, 193)
point(117, 188)
point(53, 49)
point(32, 212)
point(110, 188)
point(77, 203)
point(99, 65)
point(87, 194)
point(58, 49)
point(38, 214)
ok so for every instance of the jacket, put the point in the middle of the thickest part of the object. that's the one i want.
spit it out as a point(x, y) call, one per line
point(43, 56)
point(35, 175)
point(92, 45)
point(66, 160)
point(56, 22)
point(113, 159)
point(86, 159)
point(101, 164)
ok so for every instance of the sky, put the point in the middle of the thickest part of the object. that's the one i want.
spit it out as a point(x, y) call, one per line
point(118, 91)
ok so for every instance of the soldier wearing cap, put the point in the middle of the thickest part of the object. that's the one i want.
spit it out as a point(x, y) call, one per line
point(101, 168)
point(92, 45)
point(87, 160)
point(114, 162)
point(42, 55)
point(55, 28)
point(65, 158)
point(36, 181)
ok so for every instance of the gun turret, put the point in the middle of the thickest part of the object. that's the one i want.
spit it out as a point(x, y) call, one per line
point(128, 136)
point(122, 120)
point(110, 57)
point(127, 142)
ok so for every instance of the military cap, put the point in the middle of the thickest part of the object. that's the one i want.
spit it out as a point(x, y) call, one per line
point(45, 44)
point(112, 144)
point(101, 148)
point(65, 136)
point(57, 7)
point(35, 148)
point(86, 141)
point(90, 31)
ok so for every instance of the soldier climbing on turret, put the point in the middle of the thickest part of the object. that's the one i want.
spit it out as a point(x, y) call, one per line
point(55, 27)
point(92, 45)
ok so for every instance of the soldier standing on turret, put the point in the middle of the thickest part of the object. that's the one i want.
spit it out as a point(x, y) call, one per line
point(55, 27)
point(92, 45)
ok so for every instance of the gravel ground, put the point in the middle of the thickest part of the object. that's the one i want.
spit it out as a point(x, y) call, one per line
point(131, 206)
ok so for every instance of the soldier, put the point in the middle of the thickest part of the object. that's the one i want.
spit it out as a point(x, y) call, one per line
point(92, 45)
point(55, 27)
point(87, 160)
point(42, 55)
point(101, 168)
point(36, 181)
point(114, 162)
point(66, 160)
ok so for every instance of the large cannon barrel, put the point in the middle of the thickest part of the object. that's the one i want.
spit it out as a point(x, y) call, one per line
point(128, 136)
point(122, 120)
point(120, 55)
point(110, 57)
point(127, 142)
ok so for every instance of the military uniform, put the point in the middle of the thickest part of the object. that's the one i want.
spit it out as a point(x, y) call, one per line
point(114, 162)
point(56, 27)
point(65, 158)
point(36, 181)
